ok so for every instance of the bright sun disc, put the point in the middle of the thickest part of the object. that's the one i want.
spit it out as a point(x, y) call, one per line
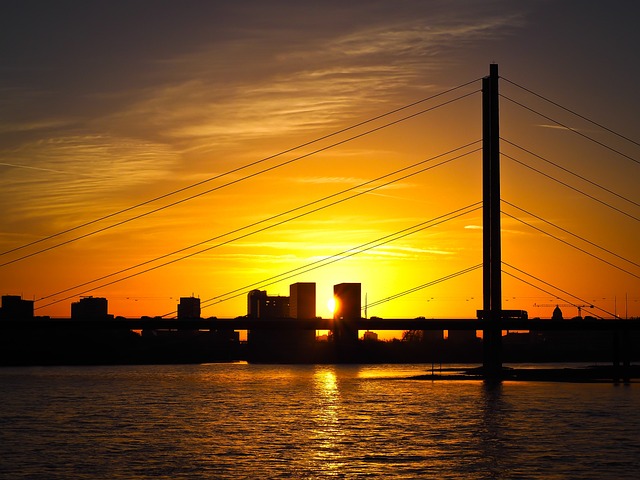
point(331, 305)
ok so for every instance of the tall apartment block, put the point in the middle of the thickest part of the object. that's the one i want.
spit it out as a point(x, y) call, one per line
point(348, 297)
point(302, 300)
point(189, 307)
point(90, 308)
point(15, 308)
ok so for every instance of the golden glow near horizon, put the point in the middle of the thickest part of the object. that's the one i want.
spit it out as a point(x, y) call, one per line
point(211, 109)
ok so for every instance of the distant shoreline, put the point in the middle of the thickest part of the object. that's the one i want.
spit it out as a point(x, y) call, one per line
point(590, 374)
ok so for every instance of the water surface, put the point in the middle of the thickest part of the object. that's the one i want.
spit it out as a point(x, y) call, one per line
point(262, 421)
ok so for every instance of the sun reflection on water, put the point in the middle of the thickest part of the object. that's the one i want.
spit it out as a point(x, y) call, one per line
point(326, 382)
point(327, 431)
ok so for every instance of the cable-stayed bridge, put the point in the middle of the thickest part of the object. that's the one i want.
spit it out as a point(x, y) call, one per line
point(492, 205)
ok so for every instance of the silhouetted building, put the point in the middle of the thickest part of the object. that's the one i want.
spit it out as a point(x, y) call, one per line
point(15, 308)
point(263, 344)
point(90, 308)
point(302, 306)
point(370, 336)
point(348, 298)
point(557, 313)
point(189, 307)
point(302, 300)
point(261, 305)
point(283, 344)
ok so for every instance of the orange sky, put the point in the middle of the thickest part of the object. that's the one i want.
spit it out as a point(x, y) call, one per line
point(100, 113)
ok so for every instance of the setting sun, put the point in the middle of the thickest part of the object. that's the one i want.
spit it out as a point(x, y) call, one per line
point(331, 305)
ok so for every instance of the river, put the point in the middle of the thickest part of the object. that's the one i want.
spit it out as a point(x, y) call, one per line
point(241, 420)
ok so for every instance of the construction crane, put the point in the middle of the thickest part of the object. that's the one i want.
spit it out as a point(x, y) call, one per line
point(579, 307)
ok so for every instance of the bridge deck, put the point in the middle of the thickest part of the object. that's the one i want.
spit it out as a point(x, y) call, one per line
point(319, 324)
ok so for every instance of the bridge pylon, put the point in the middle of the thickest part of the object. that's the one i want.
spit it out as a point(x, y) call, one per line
point(492, 250)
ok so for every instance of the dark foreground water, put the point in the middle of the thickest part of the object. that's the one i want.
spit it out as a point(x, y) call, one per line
point(259, 421)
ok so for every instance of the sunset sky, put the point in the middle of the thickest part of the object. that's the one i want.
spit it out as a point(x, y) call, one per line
point(105, 105)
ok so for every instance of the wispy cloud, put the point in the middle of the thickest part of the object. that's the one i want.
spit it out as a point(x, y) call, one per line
point(28, 167)
point(554, 127)
point(349, 181)
point(69, 174)
point(34, 125)
point(215, 99)
point(430, 251)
